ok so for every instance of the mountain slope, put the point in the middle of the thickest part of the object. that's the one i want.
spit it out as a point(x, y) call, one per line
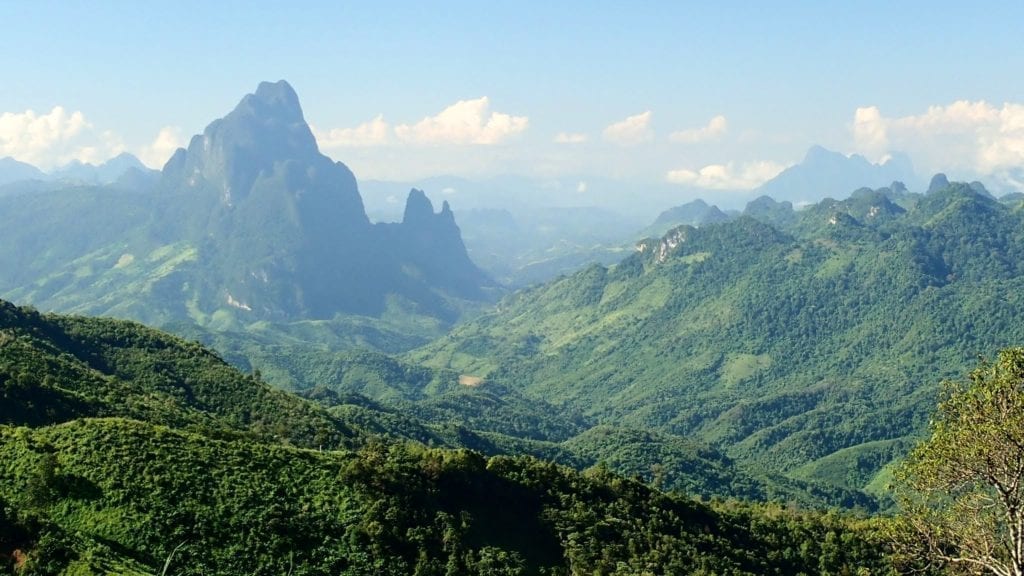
point(781, 349)
point(59, 368)
point(12, 170)
point(97, 492)
point(123, 448)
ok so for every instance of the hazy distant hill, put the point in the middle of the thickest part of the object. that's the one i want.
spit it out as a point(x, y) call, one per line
point(12, 170)
point(694, 213)
point(107, 173)
point(249, 223)
point(123, 167)
point(823, 173)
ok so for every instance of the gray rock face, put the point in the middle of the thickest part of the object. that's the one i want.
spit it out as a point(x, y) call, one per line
point(286, 232)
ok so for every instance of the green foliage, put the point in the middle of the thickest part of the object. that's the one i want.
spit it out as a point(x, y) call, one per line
point(813, 352)
point(237, 507)
point(57, 368)
point(962, 489)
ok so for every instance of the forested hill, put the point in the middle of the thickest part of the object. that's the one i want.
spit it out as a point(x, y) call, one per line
point(59, 368)
point(124, 450)
point(809, 343)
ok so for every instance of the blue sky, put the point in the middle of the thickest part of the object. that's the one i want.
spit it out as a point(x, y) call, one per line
point(717, 95)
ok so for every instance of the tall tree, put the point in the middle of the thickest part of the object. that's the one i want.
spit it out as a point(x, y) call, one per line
point(962, 489)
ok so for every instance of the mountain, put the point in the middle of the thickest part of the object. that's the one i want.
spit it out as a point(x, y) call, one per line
point(694, 213)
point(12, 170)
point(823, 173)
point(778, 214)
point(814, 351)
point(109, 172)
point(250, 223)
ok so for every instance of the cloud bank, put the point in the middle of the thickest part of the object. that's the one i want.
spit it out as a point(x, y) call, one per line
point(55, 138)
point(730, 176)
point(376, 132)
point(156, 153)
point(630, 131)
point(467, 122)
point(973, 136)
point(715, 129)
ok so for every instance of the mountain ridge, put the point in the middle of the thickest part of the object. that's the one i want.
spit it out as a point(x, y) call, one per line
point(790, 348)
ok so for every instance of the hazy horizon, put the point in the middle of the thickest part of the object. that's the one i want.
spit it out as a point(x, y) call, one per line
point(707, 98)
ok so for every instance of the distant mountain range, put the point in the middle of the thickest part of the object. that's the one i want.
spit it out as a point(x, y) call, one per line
point(250, 222)
point(124, 167)
point(827, 174)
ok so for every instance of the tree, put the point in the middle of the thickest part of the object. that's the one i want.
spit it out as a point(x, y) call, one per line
point(962, 489)
point(43, 483)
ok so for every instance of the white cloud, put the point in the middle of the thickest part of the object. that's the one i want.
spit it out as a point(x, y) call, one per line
point(729, 176)
point(570, 138)
point(55, 138)
point(156, 153)
point(465, 122)
point(631, 131)
point(715, 128)
point(581, 188)
point(975, 136)
point(373, 133)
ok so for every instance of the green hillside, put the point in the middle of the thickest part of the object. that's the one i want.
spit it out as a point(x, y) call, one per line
point(59, 368)
point(112, 495)
point(814, 351)
point(124, 450)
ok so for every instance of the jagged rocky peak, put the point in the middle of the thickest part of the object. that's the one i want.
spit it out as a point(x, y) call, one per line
point(266, 128)
point(419, 209)
point(275, 100)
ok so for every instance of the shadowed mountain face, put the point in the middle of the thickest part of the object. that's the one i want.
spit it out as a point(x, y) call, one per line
point(250, 220)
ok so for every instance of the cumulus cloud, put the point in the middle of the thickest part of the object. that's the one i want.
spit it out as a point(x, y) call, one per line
point(975, 136)
point(715, 128)
point(156, 153)
point(465, 122)
point(55, 138)
point(373, 133)
point(730, 176)
point(570, 138)
point(631, 131)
